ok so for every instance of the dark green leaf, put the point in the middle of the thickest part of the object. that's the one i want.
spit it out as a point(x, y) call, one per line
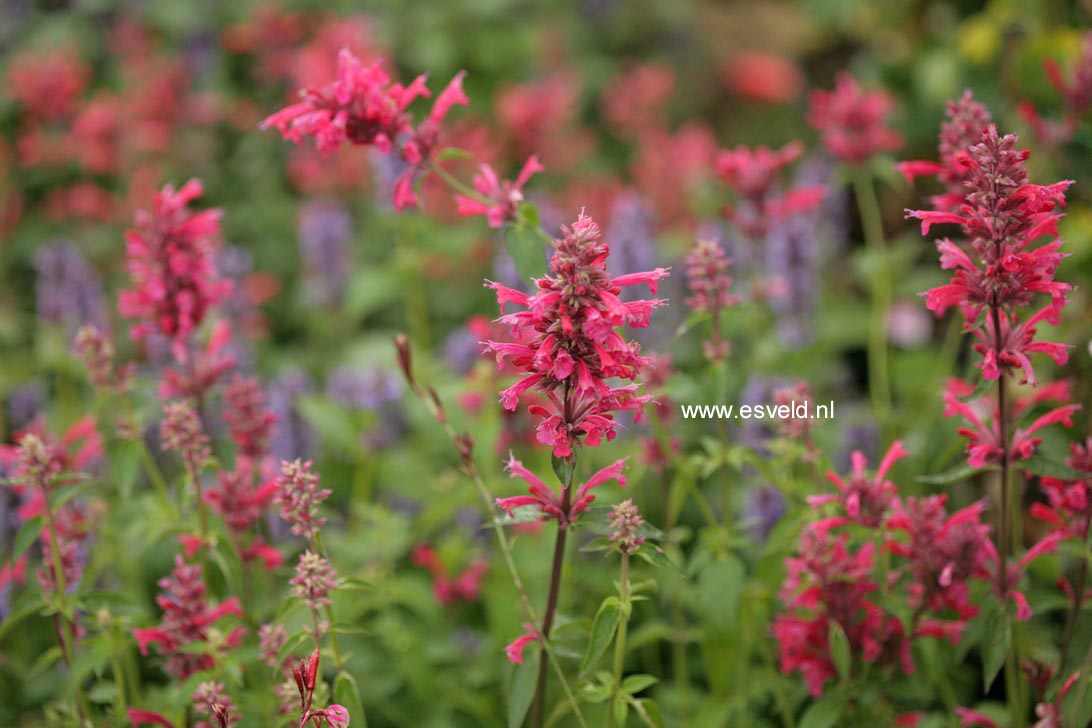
point(995, 647)
point(525, 242)
point(602, 632)
point(825, 711)
point(839, 649)
point(636, 683)
point(563, 468)
point(720, 585)
point(347, 695)
point(27, 535)
point(1042, 465)
point(521, 688)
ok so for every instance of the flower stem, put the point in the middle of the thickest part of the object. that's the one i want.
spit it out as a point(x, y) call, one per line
point(538, 709)
point(880, 284)
point(620, 640)
point(464, 447)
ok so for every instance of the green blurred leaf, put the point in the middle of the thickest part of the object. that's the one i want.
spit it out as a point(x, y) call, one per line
point(521, 688)
point(839, 649)
point(347, 695)
point(603, 628)
point(995, 647)
point(27, 535)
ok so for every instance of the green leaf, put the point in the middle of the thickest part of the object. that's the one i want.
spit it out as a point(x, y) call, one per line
point(656, 556)
point(621, 710)
point(21, 612)
point(636, 683)
point(1042, 465)
point(649, 713)
point(720, 585)
point(994, 647)
point(602, 632)
point(525, 242)
point(523, 514)
point(452, 153)
point(27, 535)
point(521, 688)
point(963, 471)
point(563, 468)
point(347, 695)
point(839, 649)
point(825, 711)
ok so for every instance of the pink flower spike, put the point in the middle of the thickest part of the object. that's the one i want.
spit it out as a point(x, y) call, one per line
point(451, 95)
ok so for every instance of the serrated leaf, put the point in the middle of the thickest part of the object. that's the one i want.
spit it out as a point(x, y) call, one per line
point(838, 644)
point(603, 628)
point(521, 688)
point(347, 695)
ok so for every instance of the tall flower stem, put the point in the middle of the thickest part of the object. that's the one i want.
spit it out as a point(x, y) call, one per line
point(464, 446)
point(1006, 541)
point(880, 290)
point(620, 639)
point(538, 707)
point(67, 632)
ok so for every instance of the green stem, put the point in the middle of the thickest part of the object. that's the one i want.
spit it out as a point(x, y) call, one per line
point(880, 285)
point(67, 632)
point(620, 640)
point(505, 545)
point(320, 547)
point(538, 707)
point(155, 475)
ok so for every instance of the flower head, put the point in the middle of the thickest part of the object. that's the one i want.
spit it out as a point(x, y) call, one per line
point(182, 432)
point(853, 121)
point(248, 420)
point(314, 580)
point(549, 502)
point(504, 197)
point(625, 522)
point(566, 344)
point(299, 496)
point(187, 621)
point(170, 259)
point(866, 499)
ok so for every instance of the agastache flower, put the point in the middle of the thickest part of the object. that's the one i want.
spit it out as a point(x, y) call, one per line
point(752, 175)
point(363, 107)
point(271, 638)
point(548, 501)
point(248, 420)
point(314, 580)
point(853, 121)
point(1068, 509)
point(865, 499)
point(188, 620)
point(170, 259)
point(210, 700)
point(182, 433)
point(96, 349)
point(707, 275)
point(566, 344)
point(299, 496)
point(515, 648)
point(504, 197)
point(448, 588)
point(967, 121)
point(625, 522)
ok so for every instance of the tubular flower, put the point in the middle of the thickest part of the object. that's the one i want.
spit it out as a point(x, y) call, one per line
point(188, 621)
point(566, 342)
point(853, 121)
point(182, 432)
point(314, 580)
point(984, 434)
point(504, 196)
point(170, 259)
point(1068, 509)
point(446, 587)
point(515, 649)
point(752, 175)
point(625, 523)
point(967, 121)
point(250, 423)
point(866, 500)
point(549, 503)
point(829, 583)
point(363, 107)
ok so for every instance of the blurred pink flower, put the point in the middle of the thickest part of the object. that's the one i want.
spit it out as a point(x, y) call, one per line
point(853, 121)
point(505, 196)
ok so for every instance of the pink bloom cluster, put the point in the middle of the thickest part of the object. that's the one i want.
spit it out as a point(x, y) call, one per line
point(298, 495)
point(170, 258)
point(1076, 93)
point(248, 421)
point(707, 276)
point(752, 175)
point(566, 342)
point(547, 500)
point(363, 107)
point(967, 122)
point(939, 556)
point(448, 588)
point(504, 196)
point(305, 675)
point(853, 121)
point(1068, 509)
point(1002, 215)
point(188, 621)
